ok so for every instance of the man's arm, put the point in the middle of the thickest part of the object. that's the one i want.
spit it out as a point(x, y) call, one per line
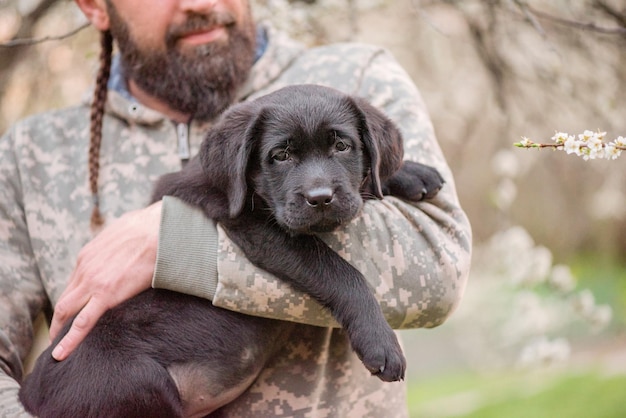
point(22, 296)
point(408, 258)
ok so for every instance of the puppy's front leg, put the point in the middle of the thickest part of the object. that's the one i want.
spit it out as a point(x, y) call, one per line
point(308, 264)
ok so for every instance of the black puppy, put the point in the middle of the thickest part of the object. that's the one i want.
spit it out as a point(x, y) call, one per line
point(304, 156)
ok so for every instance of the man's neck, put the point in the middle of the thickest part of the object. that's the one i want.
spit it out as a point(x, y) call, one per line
point(152, 102)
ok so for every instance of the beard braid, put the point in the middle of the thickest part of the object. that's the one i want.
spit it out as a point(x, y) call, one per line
point(202, 81)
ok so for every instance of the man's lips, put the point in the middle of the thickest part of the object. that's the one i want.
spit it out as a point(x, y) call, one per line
point(203, 36)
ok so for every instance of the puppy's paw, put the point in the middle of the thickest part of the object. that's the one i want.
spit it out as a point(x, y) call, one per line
point(381, 354)
point(414, 181)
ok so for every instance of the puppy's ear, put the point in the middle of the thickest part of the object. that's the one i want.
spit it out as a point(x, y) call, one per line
point(382, 141)
point(236, 134)
point(243, 161)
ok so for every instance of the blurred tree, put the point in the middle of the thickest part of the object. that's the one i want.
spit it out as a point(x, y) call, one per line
point(490, 72)
point(11, 52)
point(550, 66)
point(487, 19)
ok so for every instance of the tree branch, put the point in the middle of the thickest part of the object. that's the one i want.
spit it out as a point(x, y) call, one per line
point(487, 49)
point(10, 56)
point(619, 17)
point(32, 41)
point(526, 8)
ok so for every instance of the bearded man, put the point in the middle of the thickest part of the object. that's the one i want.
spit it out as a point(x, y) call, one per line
point(70, 174)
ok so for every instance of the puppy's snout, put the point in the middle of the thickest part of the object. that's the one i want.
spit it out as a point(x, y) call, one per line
point(319, 197)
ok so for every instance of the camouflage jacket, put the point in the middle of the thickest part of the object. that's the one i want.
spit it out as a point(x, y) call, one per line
point(415, 256)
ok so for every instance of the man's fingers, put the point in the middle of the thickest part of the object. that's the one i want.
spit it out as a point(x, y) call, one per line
point(74, 297)
point(82, 324)
point(71, 302)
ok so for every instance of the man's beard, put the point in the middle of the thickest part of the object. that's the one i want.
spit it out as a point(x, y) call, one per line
point(200, 82)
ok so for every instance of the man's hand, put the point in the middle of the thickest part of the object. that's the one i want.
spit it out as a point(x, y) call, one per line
point(115, 266)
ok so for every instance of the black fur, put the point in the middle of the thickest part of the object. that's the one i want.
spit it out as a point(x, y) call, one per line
point(273, 171)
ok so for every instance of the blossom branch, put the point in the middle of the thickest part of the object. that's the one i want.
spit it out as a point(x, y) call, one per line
point(588, 145)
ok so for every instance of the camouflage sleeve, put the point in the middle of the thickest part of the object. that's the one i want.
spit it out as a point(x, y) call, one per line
point(415, 256)
point(21, 293)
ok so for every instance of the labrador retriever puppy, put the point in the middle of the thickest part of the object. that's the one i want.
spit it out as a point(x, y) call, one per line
point(273, 172)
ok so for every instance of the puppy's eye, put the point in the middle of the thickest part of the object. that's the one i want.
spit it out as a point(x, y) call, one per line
point(280, 155)
point(341, 145)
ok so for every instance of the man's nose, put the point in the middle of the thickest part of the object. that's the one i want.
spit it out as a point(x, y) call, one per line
point(198, 5)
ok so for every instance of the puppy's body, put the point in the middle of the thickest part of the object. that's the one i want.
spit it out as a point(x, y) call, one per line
point(160, 354)
point(302, 156)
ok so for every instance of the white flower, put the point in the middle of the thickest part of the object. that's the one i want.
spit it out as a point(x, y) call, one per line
point(585, 136)
point(601, 317)
point(584, 302)
point(560, 137)
point(611, 152)
point(545, 352)
point(584, 152)
point(562, 278)
point(620, 141)
point(599, 154)
point(595, 144)
point(572, 146)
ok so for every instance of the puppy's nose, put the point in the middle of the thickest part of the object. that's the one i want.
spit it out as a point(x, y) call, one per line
point(319, 197)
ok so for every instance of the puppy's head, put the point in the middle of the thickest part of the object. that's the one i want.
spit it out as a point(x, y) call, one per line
point(311, 153)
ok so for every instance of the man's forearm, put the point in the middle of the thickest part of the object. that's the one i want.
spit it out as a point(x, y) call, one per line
point(413, 273)
point(409, 258)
